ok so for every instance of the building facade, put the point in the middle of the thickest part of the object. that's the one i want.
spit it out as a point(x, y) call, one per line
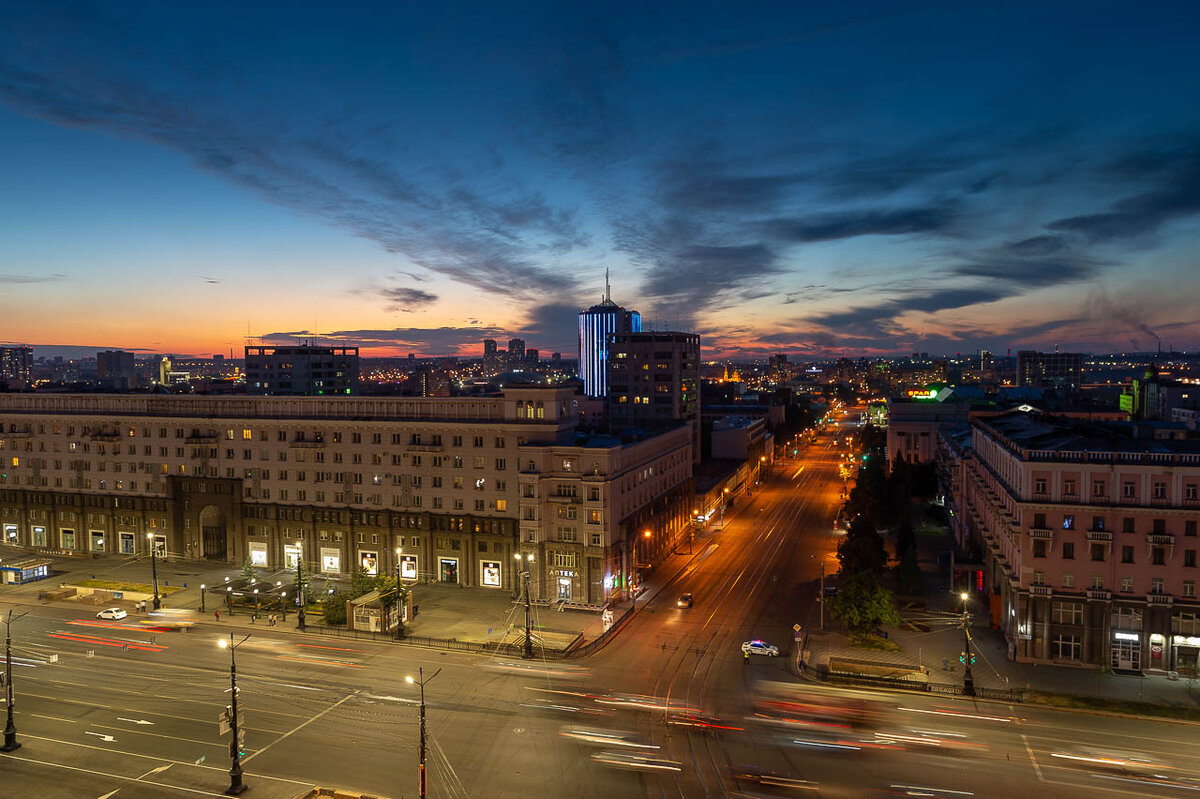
point(457, 485)
point(1089, 542)
point(302, 371)
point(654, 381)
point(596, 325)
point(16, 367)
point(116, 369)
point(1053, 370)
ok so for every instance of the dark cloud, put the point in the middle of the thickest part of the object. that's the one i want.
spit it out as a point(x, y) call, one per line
point(491, 242)
point(406, 300)
point(12, 280)
point(428, 341)
point(1037, 245)
point(1032, 273)
point(694, 272)
point(849, 224)
point(1174, 194)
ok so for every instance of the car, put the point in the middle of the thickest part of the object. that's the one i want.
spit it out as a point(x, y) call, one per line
point(684, 601)
point(112, 613)
point(757, 647)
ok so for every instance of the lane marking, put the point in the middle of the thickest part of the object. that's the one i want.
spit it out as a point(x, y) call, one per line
point(102, 736)
point(122, 777)
point(52, 718)
point(1036, 768)
point(155, 770)
point(335, 648)
point(139, 722)
point(297, 728)
point(320, 662)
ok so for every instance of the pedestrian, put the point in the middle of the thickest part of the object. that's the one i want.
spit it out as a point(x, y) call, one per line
point(217, 615)
point(274, 618)
point(745, 658)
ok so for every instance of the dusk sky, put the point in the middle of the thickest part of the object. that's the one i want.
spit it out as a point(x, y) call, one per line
point(804, 178)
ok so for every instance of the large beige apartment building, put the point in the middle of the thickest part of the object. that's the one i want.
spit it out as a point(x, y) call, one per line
point(445, 489)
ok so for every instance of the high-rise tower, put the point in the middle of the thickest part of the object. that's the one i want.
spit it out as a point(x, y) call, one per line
point(596, 325)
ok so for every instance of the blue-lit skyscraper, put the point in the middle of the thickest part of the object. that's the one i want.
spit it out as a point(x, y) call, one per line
point(596, 324)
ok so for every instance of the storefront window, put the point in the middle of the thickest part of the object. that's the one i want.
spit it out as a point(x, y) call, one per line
point(408, 567)
point(491, 573)
point(369, 562)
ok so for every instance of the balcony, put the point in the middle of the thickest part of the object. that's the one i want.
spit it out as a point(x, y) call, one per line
point(564, 499)
point(425, 448)
point(306, 443)
point(1041, 532)
point(1100, 535)
point(1041, 590)
point(1099, 594)
point(1161, 538)
point(207, 439)
point(1159, 599)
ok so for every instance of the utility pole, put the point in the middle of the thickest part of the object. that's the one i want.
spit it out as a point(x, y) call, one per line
point(822, 594)
point(399, 623)
point(968, 679)
point(525, 560)
point(300, 585)
point(421, 784)
point(201, 597)
point(236, 786)
point(154, 569)
point(11, 744)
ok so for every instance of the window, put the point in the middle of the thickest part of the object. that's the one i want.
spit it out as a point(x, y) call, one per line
point(1098, 582)
point(568, 534)
point(1097, 523)
point(1127, 524)
point(479, 505)
point(598, 540)
point(1067, 647)
point(1127, 554)
point(456, 441)
point(1039, 578)
point(477, 441)
point(1156, 585)
point(564, 560)
point(499, 443)
point(1069, 487)
point(1189, 557)
point(1099, 488)
point(1098, 552)
point(1160, 490)
point(1068, 613)
point(1068, 579)
point(502, 504)
point(1129, 489)
point(501, 465)
point(478, 462)
point(1158, 556)
point(1039, 521)
point(1068, 550)
point(1189, 527)
point(1189, 588)
point(1039, 485)
point(1068, 522)
point(1127, 585)
point(595, 517)
point(1039, 548)
point(1160, 526)
point(1190, 492)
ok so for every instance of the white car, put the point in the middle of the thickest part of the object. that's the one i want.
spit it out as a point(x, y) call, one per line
point(111, 613)
point(757, 647)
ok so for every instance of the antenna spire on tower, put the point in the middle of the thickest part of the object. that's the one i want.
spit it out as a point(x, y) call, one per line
point(607, 290)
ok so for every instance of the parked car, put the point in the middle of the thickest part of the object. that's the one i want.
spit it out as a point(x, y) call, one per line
point(684, 601)
point(757, 647)
point(112, 613)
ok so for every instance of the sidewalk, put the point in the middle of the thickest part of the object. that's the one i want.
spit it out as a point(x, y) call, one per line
point(930, 636)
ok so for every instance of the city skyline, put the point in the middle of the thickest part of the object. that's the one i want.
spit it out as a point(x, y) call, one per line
point(810, 180)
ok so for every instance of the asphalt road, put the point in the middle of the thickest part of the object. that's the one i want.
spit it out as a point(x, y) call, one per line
point(125, 712)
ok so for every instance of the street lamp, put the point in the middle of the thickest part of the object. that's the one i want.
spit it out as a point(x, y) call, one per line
point(229, 599)
point(201, 597)
point(235, 771)
point(11, 744)
point(633, 601)
point(968, 679)
point(154, 570)
point(525, 560)
point(724, 502)
point(300, 585)
point(399, 626)
point(421, 680)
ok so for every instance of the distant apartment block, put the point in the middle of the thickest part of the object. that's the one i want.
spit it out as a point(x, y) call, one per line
point(116, 369)
point(596, 325)
point(654, 381)
point(16, 367)
point(301, 371)
point(1089, 540)
point(1050, 370)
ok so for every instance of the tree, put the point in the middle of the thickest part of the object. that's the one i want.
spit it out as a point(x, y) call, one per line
point(333, 607)
point(248, 570)
point(361, 583)
point(861, 553)
point(908, 574)
point(863, 604)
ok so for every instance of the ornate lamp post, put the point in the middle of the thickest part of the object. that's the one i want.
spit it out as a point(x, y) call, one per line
point(11, 744)
point(300, 585)
point(154, 569)
point(525, 560)
point(968, 678)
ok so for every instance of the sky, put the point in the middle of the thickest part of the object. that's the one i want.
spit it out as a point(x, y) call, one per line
point(816, 179)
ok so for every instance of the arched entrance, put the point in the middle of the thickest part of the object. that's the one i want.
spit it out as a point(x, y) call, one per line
point(212, 533)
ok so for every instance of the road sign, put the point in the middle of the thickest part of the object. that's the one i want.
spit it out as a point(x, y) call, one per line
point(796, 627)
point(224, 726)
